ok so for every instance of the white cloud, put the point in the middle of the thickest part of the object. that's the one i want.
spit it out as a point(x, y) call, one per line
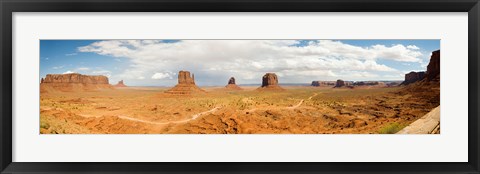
point(412, 47)
point(248, 59)
point(166, 75)
point(68, 72)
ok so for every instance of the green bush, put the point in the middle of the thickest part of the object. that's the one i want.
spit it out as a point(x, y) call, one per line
point(391, 128)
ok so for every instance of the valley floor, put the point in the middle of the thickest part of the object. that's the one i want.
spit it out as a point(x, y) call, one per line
point(297, 110)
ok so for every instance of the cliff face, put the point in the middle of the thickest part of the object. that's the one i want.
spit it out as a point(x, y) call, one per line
point(433, 68)
point(73, 82)
point(185, 78)
point(75, 78)
point(432, 74)
point(269, 79)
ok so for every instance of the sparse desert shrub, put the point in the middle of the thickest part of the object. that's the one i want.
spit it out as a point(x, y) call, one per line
point(44, 125)
point(392, 128)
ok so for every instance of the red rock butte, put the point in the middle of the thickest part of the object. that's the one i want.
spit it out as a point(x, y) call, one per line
point(120, 84)
point(186, 85)
point(232, 85)
point(73, 82)
point(270, 82)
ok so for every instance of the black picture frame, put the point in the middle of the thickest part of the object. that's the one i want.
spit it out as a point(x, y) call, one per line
point(9, 6)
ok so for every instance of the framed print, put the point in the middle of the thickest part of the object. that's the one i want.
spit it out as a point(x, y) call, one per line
point(231, 86)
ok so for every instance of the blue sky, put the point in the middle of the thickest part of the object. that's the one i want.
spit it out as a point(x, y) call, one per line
point(156, 62)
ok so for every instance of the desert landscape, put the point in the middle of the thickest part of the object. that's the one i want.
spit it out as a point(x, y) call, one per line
point(73, 103)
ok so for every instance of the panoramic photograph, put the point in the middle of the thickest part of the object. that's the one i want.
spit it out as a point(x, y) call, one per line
point(239, 87)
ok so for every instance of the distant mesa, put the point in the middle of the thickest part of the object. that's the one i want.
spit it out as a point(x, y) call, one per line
point(322, 83)
point(73, 82)
point(368, 83)
point(120, 84)
point(186, 85)
point(231, 84)
point(270, 82)
point(413, 77)
point(339, 83)
point(343, 84)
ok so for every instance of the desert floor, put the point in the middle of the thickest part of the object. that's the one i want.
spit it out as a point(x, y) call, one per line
point(302, 110)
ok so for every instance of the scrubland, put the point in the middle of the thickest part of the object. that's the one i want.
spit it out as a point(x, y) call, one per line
point(296, 110)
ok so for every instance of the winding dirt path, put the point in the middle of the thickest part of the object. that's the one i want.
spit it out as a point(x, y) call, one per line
point(199, 114)
point(301, 102)
point(288, 107)
point(195, 116)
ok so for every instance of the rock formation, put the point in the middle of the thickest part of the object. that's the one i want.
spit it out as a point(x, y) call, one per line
point(367, 83)
point(120, 84)
point(432, 74)
point(186, 85)
point(323, 83)
point(73, 82)
point(231, 84)
point(75, 78)
point(413, 77)
point(433, 68)
point(270, 82)
point(340, 83)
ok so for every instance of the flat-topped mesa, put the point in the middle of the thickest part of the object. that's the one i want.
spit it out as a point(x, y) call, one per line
point(186, 85)
point(120, 84)
point(270, 82)
point(323, 83)
point(433, 68)
point(231, 84)
point(413, 77)
point(73, 82)
point(75, 78)
point(368, 83)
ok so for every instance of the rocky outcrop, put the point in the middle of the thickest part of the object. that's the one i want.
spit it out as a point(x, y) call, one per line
point(231, 84)
point(231, 80)
point(322, 83)
point(120, 84)
point(433, 68)
point(186, 85)
point(413, 77)
point(339, 83)
point(73, 82)
point(270, 82)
